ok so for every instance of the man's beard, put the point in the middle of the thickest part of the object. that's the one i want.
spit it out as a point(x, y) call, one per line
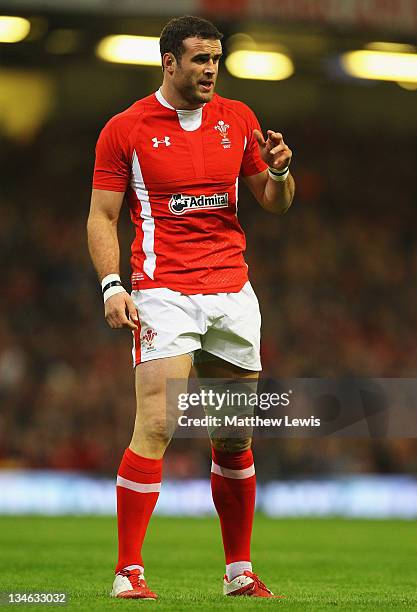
point(192, 95)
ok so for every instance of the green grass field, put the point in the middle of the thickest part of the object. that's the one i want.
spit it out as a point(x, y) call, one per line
point(317, 564)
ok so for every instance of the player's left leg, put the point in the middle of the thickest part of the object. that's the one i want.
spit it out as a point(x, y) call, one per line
point(233, 484)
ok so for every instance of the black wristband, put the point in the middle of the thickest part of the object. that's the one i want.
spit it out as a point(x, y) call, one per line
point(111, 284)
point(278, 172)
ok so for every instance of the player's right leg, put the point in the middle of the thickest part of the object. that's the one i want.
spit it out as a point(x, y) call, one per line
point(139, 475)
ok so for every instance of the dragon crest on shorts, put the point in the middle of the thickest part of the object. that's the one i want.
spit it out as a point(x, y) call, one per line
point(148, 338)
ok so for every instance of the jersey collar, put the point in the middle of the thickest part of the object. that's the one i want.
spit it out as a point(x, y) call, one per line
point(190, 120)
point(162, 100)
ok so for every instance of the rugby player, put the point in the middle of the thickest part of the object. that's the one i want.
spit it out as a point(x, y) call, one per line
point(177, 156)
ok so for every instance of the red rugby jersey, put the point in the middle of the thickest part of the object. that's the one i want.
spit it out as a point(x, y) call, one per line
point(180, 172)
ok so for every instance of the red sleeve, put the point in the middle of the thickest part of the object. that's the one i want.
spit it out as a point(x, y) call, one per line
point(252, 162)
point(112, 167)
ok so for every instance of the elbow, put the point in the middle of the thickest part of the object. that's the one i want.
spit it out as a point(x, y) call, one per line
point(277, 208)
point(287, 205)
point(288, 201)
point(283, 211)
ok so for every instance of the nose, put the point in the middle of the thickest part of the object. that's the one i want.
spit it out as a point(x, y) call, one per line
point(210, 68)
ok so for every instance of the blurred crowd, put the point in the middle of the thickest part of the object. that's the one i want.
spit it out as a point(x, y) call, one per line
point(335, 278)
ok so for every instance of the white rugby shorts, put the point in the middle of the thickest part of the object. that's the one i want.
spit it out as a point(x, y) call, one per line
point(226, 325)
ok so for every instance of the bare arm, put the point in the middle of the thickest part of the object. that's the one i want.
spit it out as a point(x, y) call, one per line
point(102, 231)
point(272, 195)
point(104, 250)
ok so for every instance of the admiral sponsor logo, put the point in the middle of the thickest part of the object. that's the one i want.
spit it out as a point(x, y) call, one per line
point(180, 203)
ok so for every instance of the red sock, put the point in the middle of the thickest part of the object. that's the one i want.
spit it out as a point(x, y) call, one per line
point(233, 486)
point(138, 486)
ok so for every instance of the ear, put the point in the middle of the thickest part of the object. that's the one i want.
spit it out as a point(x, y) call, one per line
point(169, 62)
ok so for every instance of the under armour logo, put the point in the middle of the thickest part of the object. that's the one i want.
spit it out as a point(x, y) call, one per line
point(157, 142)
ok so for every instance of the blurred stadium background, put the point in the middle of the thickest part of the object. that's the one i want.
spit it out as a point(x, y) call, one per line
point(335, 277)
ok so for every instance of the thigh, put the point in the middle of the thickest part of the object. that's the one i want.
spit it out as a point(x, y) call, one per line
point(158, 384)
point(152, 380)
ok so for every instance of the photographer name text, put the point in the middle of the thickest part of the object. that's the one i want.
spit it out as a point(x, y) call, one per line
point(247, 421)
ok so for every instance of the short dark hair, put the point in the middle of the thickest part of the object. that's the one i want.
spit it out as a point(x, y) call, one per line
point(180, 28)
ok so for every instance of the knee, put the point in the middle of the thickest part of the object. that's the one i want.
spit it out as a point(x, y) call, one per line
point(231, 445)
point(155, 431)
point(159, 430)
